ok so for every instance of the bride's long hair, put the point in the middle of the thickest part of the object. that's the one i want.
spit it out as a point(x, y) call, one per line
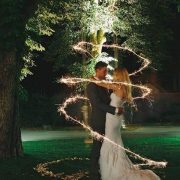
point(122, 75)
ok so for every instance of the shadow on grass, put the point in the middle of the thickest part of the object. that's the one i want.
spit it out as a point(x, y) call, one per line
point(19, 168)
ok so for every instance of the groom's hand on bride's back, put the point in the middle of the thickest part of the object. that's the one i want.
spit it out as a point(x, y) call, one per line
point(119, 110)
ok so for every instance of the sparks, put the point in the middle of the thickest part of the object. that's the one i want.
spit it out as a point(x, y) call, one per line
point(101, 137)
point(42, 168)
point(73, 81)
point(81, 48)
point(145, 92)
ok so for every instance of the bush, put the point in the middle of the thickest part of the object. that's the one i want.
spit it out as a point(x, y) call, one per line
point(39, 110)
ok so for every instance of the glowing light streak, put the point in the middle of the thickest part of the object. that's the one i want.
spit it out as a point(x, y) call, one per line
point(43, 169)
point(80, 47)
point(100, 137)
point(73, 81)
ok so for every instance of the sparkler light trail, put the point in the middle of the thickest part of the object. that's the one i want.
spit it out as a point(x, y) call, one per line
point(73, 81)
point(100, 137)
point(43, 169)
point(82, 48)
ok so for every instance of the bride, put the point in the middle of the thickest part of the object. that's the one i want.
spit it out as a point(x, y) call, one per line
point(113, 161)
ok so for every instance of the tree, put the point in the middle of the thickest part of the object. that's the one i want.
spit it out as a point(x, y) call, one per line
point(156, 38)
point(39, 26)
point(140, 25)
point(97, 22)
point(14, 16)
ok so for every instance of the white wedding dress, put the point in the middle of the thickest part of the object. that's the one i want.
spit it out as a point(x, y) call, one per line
point(113, 161)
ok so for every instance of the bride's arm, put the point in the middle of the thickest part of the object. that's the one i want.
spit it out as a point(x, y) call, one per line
point(107, 85)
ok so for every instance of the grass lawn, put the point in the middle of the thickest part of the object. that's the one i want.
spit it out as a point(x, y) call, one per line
point(157, 148)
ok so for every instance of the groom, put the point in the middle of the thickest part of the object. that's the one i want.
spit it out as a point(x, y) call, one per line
point(100, 99)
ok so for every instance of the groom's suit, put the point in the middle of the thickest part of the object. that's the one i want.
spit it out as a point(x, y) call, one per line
point(99, 98)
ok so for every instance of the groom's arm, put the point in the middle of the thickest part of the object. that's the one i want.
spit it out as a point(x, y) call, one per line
point(96, 100)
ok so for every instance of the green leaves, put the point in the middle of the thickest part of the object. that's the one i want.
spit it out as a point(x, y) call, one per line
point(38, 26)
point(96, 17)
point(33, 45)
point(42, 21)
point(138, 24)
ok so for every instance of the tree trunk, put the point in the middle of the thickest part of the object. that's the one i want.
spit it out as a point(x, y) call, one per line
point(10, 135)
point(97, 38)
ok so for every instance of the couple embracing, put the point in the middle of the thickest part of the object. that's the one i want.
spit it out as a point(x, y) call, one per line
point(108, 162)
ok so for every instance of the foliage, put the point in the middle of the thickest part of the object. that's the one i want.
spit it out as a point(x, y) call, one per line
point(23, 94)
point(154, 38)
point(38, 26)
point(96, 17)
point(59, 50)
point(88, 69)
point(11, 23)
point(135, 24)
point(109, 16)
point(79, 18)
point(37, 110)
point(42, 21)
